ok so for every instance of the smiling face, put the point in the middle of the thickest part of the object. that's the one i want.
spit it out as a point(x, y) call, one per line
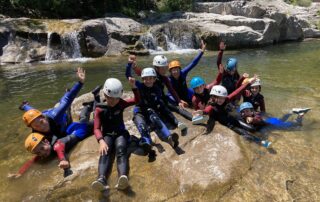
point(175, 72)
point(219, 100)
point(247, 112)
point(111, 101)
point(255, 90)
point(199, 89)
point(40, 124)
point(43, 149)
point(161, 70)
point(149, 81)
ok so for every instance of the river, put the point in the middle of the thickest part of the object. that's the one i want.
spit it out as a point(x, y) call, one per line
point(289, 73)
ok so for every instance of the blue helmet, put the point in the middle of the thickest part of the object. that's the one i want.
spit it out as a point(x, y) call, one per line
point(196, 82)
point(246, 105)
point(232, 64)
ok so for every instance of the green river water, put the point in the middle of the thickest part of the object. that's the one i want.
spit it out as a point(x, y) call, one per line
point(289, 72)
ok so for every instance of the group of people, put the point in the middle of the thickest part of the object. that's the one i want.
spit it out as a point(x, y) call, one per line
point(54, 132)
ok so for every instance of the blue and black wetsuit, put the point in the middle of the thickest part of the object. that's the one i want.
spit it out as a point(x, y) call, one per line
point(151, 110)
point(180, 84)
point(58, 118)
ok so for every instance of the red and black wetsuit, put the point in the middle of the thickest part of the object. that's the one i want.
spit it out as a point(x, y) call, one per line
point(199, 100)
point(257, 101)
point(109, 126)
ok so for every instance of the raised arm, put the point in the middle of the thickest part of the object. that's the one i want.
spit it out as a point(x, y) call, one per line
point(195, 61)
point(65, 102)
point(222, 47)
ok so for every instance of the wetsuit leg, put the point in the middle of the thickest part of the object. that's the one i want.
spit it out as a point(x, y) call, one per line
point(85, 113)
point(160, 128)
point(140, 121)
point(171, 99)
point(70, 141)
point(121, 153)
point(106, 161)
point(166, 114)
point(187, 115)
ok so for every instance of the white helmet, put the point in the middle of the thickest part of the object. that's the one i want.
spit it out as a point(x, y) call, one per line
point(257, 83)
point(219, 90)
point(160, 61)
point(113, 88)
point(149, 71)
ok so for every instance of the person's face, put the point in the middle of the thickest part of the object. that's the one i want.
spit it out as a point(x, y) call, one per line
point(218, 99)
point(231, 72)
point(199, 89)
point(175, 72)
point(40, 124)
point(111, 101)
point(148, 81)
point(161, 70)
point(43, 149)
point(247, 112)
point(254, 90)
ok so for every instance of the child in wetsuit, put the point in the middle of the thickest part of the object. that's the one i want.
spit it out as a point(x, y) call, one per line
point(254, 96)
point(217, 111)
point(112, 135)
point(151, 110)
point(255, 121)
point(178, 78)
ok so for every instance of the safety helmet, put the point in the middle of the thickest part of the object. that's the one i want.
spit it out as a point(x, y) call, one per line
point(149, 71)
point(246, 105)
point(219, 90)
point(31, 115)
point(196, 82)
point(231, 64)
point(113, 88)
point(160, 61)
point(257, 83)
point(174, 63)
point(32, 141)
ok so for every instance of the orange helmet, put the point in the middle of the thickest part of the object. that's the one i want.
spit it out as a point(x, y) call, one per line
point(174, 63)
point(32, 141)
point(30, 115)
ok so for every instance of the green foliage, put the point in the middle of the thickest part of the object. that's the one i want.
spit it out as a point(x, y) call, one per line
point(318, 12)
point(176, 5)
point(304, 3)
point(72, 8)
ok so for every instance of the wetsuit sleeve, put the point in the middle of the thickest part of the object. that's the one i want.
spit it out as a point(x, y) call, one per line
point(215, 82)
point(137, 70)
point(28, 164)
point(262, 105)
point(65, 102)
point(171, 89)
point(132, 101)
point(59, 148)
point(195, 103)
point(219, 58)
point(239, 82)
point(237, 92)
point(128, 70)
point(27, 107)
point(190, 66)
point(97, 124)
point(208, 110)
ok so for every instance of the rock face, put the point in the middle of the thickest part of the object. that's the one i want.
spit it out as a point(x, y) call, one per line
point(239, 23)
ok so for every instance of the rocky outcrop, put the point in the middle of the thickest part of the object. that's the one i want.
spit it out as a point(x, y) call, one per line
point(240, 23)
